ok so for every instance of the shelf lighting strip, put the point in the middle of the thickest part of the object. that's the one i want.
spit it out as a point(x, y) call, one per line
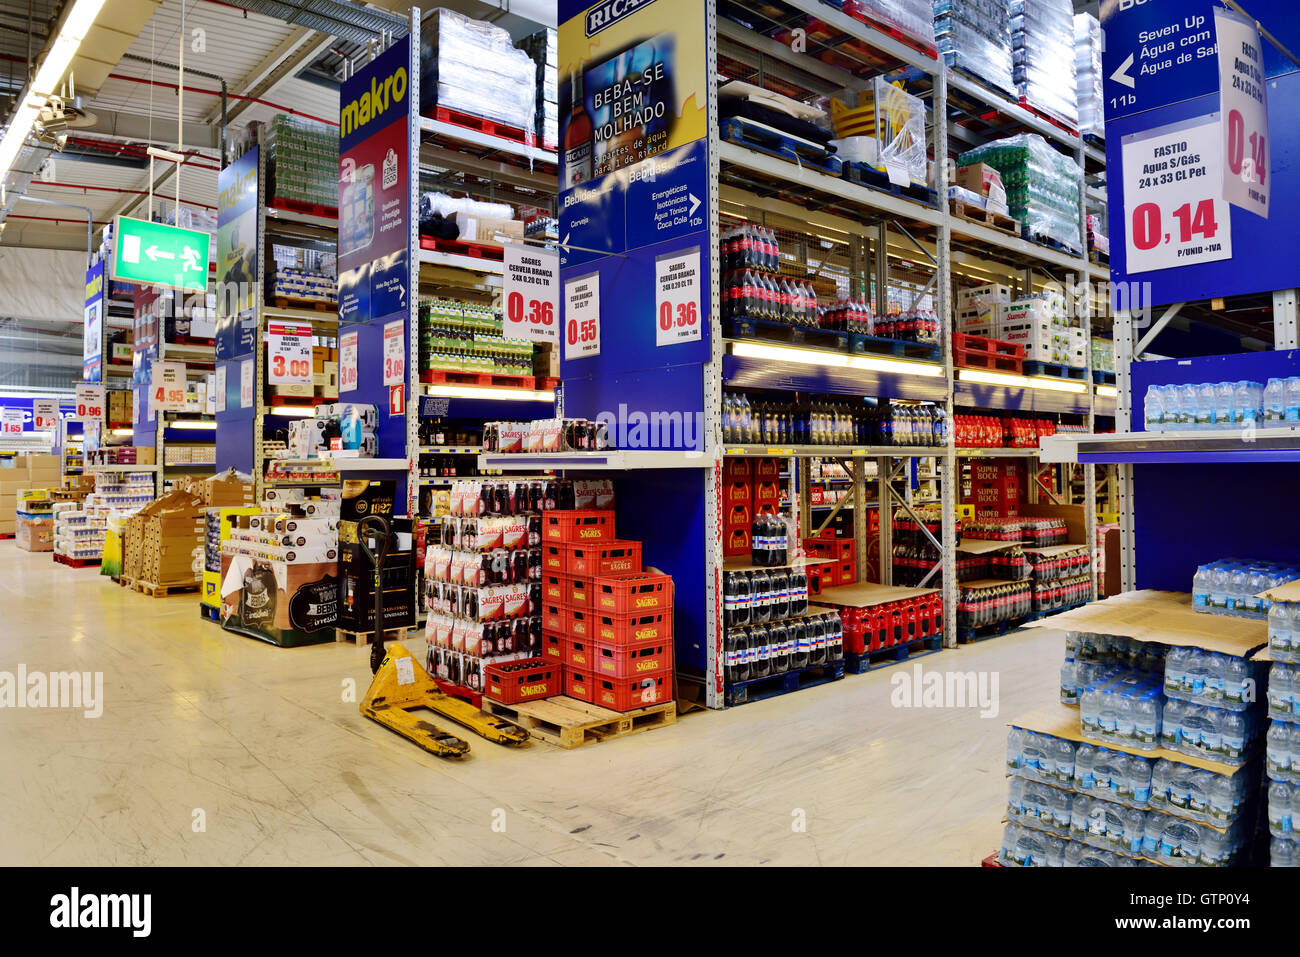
point(832, 360)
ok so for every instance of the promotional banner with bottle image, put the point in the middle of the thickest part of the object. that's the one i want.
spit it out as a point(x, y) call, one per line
point(92, 352)
point(634, 216)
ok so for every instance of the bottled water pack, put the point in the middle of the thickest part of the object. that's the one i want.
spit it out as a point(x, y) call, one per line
point(1207, 677)
point(1214, 734)
point(1229, 586)
point(1284, 692)
point(1126, 709)
point(1284, 631)
point(1222, 405)
point(1025, 847)
point(1282, 752)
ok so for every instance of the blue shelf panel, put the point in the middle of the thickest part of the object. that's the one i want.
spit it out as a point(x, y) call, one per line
point(750, 373)
point(1015, 399)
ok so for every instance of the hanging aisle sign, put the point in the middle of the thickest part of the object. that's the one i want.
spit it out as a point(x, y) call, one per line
point(90, 404)
point(677, 297)
point(1243, 113)
point(167, 387)
point(11, 421)
point(582, 317)
point(530, 291)
point(45, 414)
point(288, 353)
point(155, 254)
point(237, 253)
point(395, 353)
point(92, 350)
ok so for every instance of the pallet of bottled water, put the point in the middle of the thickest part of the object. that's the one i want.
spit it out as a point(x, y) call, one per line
point(1284, 631)
point(1091, 658)
point(1231, 586)
point(1282, 764)
point(1132, 808)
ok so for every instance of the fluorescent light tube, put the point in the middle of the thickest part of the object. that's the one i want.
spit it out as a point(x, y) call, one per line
point(1056, 385)
point(476, 392)
point(193, 424)
point(1109, 391)
point(833, 360)
point(292, 410)
point(992, 378)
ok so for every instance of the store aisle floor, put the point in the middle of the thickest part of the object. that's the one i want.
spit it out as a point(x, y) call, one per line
point(256, 743)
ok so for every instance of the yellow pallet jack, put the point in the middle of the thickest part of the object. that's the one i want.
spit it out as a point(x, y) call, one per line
point(401, 687)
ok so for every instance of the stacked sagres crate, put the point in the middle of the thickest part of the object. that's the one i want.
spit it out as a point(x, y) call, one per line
point(605, 618)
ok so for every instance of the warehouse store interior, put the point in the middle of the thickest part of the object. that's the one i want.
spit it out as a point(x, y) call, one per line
point(554, 432)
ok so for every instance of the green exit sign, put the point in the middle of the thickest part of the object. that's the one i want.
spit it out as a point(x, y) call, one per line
point(154, 254)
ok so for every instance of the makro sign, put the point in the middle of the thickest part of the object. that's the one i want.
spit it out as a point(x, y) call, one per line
point(373, 106)
point(610, 12)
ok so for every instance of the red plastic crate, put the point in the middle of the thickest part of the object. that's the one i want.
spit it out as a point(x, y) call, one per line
point(554, 587)
point(554, 616)
point(554, 558)
point(632, 660)
point(635, 593)
point(580, 591)
point(579, 654)
point(579, 525)
point(580, 623)
point(579, 684)
point(615, 557)
point(526, 679)
point(553, 646)
point(632, 629)
point(837, 549)
point(629, 694)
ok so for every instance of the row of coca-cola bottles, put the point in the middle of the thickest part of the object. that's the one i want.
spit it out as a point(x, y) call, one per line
point(914, 325)
point(762, 596)
point(906, 531)
point(1053, 595)
point(1061, 566)
point(761, 650)
point(913, 563)
point(1000, 432)
point(751, 294)
point(749, 246)
point(990, 604)
point(1035, 531)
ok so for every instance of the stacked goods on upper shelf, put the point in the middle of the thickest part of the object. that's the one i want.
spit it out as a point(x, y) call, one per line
point(1043, 326)
point(467, 337)
point(1042, 41)
point(466, 220)
point(977, 307)
point(1102, 352)
point(483, 579)
point(1040, 531)
point(302, 161)
point(542, 47)
point(818, 422)
point(883, 128)
point(121, 455)
point(468, 66)
point(912, 17)
point(337, 430)
point(1042, 186)
point(278, 574)
point(304, 278)
point(34, 513)
point(1087, 71)
point(972, 35)
point(1098, 241)
point(1001, 431)
point(546, 435)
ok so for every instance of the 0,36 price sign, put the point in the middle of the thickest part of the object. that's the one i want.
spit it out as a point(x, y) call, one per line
point(531, 292)
point(288, 353)
point(677, 297)
point(1174, 211)
point(395, 352)
point(582, 317)
point(90, 403)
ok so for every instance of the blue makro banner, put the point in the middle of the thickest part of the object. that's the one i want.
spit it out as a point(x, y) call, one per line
point(237, 257)
point(92, 352)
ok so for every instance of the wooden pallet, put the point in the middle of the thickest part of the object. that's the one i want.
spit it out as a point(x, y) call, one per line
point(1102, 377)
point(468, 695)
point(1028, 234)
point(458, 247)
point(909, 651)
point(1049, 117)
point(1098, 258)
point(570, 723)
point(125, 581)
point(881, 25)
point(309, 305)
point(981, 352)
point(872, 178)
point(756, 689)
point(983, 217)
point(362, 638)
point(163, 591)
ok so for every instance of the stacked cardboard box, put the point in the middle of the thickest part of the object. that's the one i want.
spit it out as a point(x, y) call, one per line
point(1043, 326)
point(977, 309)
point(171, 528)
point(217, 490)
point(28, 471)
point(34, 519)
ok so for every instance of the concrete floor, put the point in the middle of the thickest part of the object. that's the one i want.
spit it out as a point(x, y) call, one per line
point(259, 742)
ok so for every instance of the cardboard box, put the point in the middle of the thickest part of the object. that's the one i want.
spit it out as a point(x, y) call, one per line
point(287, 605)
point(487, 230)
point(35, 534)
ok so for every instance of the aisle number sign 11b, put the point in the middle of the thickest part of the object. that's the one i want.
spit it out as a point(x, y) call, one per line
point(677, 297)
point(1174, 208)
point(288, 353)
point(530, 290)
point(154, 254)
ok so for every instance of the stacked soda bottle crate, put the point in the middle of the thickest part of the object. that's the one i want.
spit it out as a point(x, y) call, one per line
point(1282, 740)
point(607, 621)
point(1162, 765)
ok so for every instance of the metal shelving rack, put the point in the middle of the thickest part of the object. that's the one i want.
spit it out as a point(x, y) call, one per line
point(876, 218)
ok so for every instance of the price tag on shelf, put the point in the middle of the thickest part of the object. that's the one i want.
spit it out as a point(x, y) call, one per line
point(45, 414)
point(288, 353)
point(167, 387)
point(582, 317)
point(220, 388)
point(530, 290)
point(677, 297)
point(11, 421)
point(347, 362)
point(1243, 112)
point(246, 375)
point(394, 352)
point(1174, 211)
point(90, 404)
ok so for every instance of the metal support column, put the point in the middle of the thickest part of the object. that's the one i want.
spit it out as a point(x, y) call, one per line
point(885, 536)
point(1124, 473)
point(949, 470)
point(860, 516)
point(1284, 319)
point(1083, 278)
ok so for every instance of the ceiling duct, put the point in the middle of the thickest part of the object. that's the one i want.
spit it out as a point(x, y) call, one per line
point(346, 21)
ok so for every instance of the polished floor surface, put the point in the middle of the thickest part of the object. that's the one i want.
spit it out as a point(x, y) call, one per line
point(218, 749)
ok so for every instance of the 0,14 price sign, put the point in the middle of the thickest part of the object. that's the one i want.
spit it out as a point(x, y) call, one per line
point(288, 353)
point(1174, 211)
point(531, 292)
point(677, 297)
point(582, 317)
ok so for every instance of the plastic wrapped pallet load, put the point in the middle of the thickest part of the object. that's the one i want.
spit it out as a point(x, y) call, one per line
point(473, 67)
point(972, 36)
point(1042, 45)
point(1042, 185)
point(1087, 69)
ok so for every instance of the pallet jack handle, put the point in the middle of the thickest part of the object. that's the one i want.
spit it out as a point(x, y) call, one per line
point(381, 529)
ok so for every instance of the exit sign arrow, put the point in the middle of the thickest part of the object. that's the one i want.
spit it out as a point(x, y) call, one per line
point(153, 252)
